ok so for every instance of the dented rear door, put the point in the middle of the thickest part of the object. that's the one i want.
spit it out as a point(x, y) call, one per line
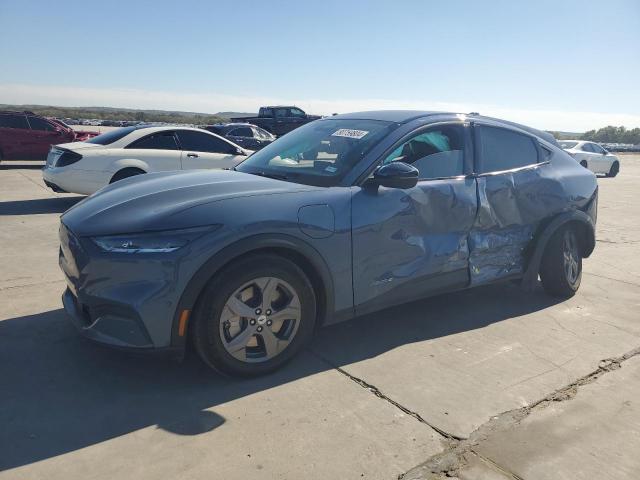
point(517, 191)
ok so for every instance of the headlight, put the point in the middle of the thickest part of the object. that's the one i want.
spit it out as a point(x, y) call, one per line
point(151, 242)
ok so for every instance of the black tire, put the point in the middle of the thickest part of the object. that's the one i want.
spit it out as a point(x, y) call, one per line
point(126, 173)
point(615, 168)
point(557, 278)
point(206, 320)
point(584, 164)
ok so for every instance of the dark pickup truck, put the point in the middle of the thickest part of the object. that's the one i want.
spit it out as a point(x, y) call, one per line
point(279, 119)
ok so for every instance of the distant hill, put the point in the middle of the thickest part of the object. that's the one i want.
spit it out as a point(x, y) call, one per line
point(235, 114)
point(109, 113)
point(565, 135)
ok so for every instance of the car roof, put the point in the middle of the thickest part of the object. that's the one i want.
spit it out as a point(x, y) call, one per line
point(405, 116)
point(233, 124)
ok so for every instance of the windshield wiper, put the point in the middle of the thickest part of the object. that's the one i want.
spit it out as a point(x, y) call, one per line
point(276, 176)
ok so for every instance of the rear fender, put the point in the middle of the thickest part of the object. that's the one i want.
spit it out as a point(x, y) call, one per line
point(587, 239)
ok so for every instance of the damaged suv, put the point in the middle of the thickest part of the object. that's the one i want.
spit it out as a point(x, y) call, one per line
point(343, 216)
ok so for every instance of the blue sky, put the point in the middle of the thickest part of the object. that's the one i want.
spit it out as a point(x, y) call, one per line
point(568, 65)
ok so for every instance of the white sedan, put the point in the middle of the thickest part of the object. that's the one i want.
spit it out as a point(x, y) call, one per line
point(592, 156)
point(86, 167)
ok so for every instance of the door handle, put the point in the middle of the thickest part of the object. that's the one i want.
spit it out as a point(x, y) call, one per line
point(192, 155)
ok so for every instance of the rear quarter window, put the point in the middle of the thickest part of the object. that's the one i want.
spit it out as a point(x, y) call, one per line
point(502, 149)
point(40, 124)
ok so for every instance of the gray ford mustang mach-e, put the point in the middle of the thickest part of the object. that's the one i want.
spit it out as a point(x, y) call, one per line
point(343, 216)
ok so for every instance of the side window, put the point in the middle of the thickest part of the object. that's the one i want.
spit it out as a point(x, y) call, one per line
point(436, 152)
point(201, 142)
point(296, 112)
point(597, 148)
point(11, 120)
point(40, 124)
point(156, 141)
point(266, 112)
point(282, 112)
point(242, 132)
point(587, 148)
point(502, 149)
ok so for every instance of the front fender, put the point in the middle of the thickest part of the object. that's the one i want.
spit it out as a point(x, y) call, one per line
point(223, 257)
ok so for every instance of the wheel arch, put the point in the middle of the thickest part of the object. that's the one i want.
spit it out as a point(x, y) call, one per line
point(123, 163)
point(587, 239)
point(288, 247)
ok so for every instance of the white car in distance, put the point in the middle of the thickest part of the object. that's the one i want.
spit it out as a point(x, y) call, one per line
point(86, 167)
point(592, 156)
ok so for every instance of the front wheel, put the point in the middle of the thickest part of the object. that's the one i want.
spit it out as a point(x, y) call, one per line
point(561, 268)
point(254, 316)
point(613, 171)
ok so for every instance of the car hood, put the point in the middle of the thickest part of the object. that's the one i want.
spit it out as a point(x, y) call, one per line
point(165, 200)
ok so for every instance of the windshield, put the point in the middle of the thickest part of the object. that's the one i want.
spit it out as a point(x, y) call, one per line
point(565, 144)
point(318, 153)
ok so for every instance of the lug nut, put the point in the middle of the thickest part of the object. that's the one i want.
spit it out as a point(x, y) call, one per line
point(252, 321)
point(227, 324)
point(258, 311)
point(268, 311)
point(269, 323)
point(259, 329)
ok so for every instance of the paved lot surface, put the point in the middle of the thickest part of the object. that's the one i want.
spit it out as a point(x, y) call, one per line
point(487, 383)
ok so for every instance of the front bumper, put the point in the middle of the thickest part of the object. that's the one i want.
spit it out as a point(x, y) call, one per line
point(120, 300)
point(109, 326)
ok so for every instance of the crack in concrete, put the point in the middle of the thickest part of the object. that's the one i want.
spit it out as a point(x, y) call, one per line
point(376, 391)
point(10, 287)
point(621, 242)
point(614, 279)
point(455, 457)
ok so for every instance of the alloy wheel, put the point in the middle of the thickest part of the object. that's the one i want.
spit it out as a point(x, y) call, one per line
point(570, 257)
point(260, 319)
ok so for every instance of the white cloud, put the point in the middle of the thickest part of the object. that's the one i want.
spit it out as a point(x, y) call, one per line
point(213, 102)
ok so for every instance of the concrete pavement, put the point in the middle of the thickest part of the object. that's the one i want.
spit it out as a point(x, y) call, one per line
point(457, 381)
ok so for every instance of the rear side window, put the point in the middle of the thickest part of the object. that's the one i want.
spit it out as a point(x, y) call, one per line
point(502, 149)
point(156, 141)
point(13, 121)
point(40, 124)
point(587, 148)
point(202, 142)
point(242, 132)
point(266, 112)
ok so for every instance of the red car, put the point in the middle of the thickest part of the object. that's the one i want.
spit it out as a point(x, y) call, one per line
point(27, 136)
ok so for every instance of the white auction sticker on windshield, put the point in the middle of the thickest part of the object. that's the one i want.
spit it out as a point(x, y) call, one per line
point(347, 132)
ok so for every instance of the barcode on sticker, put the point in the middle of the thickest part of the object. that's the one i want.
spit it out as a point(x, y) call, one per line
point(347, 132)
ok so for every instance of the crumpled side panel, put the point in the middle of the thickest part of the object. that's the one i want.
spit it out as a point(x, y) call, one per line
point(403, 239)
point(511, 207)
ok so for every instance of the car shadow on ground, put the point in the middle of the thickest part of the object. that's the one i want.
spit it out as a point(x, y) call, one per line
point(62, 393)
point(38, 205)
point(22, 166)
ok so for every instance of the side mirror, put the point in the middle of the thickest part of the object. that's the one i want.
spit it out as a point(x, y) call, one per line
point(396, 175)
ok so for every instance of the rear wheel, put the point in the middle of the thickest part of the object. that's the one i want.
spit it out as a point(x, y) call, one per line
point(254, 316)
point(613, 171)
point(126, 173)
point(561, 268)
